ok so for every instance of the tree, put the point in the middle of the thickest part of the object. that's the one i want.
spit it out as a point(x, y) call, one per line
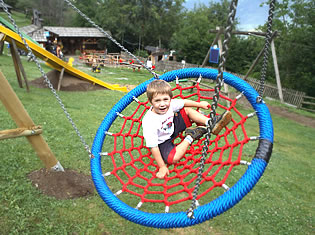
point(295, 21)
point(12, 3)
point(53, 11)
point(193, 39)
point(242, 52)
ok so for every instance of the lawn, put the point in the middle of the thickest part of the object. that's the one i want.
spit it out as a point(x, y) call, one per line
point(19, 18)
point(282, 202)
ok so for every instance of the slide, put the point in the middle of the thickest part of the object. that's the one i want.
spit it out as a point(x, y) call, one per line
point(53, 60)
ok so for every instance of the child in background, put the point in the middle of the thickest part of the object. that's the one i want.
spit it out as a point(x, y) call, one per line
point(167, 118)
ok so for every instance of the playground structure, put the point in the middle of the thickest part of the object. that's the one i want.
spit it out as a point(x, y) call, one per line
point(217, 40)
point(55, 62)
point(196, 213)
point(26, 126)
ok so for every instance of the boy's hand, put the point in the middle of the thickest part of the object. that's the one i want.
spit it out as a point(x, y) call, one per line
point(204, 104)
point(163, 171)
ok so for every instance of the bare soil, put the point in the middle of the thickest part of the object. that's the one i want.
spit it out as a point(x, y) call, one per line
point(68, 82)
point(283, 112)
point(71, 184)
point(62, 185)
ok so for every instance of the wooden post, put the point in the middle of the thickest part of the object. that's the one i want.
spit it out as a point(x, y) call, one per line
point(2, 37)
point(219, 32)
point(20, 116)
point(275, 64)
point(60, 78)
point(258, 57)
point(15, 53)
point(19, 132)
point(16, 66)
point(254, 64)
point(205, 60)
point(1, 47)
point(226, 87)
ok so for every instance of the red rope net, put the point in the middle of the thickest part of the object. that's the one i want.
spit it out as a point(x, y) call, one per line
point(131, 169)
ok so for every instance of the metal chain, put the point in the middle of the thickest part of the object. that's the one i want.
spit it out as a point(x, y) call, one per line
point(110, 37)
point(266, 51)
point(214, 105)
point(30, 53)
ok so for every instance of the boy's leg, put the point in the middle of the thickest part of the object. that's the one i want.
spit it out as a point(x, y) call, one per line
point(181, 150)
point(174, 154)
point(221, 121)
point(196, 117)
point(171, 153)
point(181, 122)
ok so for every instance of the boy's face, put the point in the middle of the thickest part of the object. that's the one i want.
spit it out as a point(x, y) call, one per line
point(161, 103)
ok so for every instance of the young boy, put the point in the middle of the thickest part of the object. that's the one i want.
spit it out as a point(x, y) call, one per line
point(167, 118)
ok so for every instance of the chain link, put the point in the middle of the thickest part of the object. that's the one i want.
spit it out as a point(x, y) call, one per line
point(30, 53)
point(214, 105)
point(110, 37)
point(266, 51)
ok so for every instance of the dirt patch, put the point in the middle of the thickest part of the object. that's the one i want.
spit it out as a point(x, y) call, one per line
point(283, 112)
point(68, 82)
point(280, 111)
point(130, 87)
point(62, 185)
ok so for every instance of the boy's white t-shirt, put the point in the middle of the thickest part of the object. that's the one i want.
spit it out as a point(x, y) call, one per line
point(158, 128)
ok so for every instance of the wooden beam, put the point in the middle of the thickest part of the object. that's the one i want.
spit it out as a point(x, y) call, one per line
point(20, 116)
point(205, 60)
point(19, 132)
point(1, 47)
point(258, 58)
point(254, 64)
point(275, 65)
point(16, 66)
point(60, 78)
point(220, 31)
point(225, 86)
point(2, 37)
point(19, 62)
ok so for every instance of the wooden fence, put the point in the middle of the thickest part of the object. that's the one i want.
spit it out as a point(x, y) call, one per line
point(290, 96)
point(308, 104)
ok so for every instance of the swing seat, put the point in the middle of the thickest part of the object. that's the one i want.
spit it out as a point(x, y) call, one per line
point(133, 167)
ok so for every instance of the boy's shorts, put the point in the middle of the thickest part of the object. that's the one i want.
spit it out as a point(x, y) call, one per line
point(168, 148)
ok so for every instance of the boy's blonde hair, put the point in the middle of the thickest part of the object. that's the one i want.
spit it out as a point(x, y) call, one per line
point(158, 87)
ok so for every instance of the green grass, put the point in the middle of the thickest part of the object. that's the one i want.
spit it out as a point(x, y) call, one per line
point(282, 202)
point(18, 17)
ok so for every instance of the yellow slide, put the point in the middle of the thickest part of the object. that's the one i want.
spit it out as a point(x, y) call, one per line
point(54, 61)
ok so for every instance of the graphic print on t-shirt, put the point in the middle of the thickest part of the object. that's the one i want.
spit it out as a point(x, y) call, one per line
point(167, 125)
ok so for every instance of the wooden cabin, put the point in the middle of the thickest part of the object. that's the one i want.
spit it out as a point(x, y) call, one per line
point(85, 40)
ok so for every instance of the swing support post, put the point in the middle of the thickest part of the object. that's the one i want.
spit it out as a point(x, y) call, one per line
point(22, 119)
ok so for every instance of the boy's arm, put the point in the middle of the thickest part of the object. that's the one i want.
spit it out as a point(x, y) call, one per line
point(163, 170)
point(201, 104)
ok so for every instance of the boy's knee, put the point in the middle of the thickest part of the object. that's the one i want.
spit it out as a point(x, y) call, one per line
point(187, 110)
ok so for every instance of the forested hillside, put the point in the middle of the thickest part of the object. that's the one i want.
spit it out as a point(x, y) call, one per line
point(167, 24)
